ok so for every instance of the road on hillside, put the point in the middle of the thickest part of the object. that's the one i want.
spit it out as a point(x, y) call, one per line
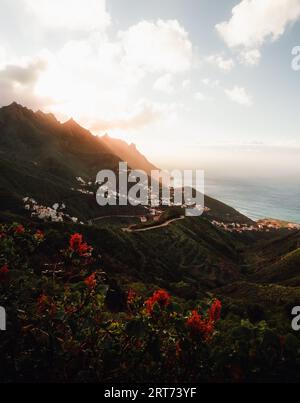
point(165, 224)
point(112, 216)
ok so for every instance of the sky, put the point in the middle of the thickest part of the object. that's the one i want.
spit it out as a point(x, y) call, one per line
point(193, 83)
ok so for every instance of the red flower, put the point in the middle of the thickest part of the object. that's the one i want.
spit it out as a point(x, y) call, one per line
point(85, 250)
point(91, 281)
point(75, 242)
point(4, 271)
point(19, 229)
point(160, 297)
point(215, 311)
point(200, 326)
point(77, 245)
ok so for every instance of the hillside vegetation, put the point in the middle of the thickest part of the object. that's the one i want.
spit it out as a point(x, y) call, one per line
point(87, 301)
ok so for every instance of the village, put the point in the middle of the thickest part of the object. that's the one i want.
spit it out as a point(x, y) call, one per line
point(154, 211)
point(266, 225)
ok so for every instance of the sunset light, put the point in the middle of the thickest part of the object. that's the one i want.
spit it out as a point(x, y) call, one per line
point(149, 194)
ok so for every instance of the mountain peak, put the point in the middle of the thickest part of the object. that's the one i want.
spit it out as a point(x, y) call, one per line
point(48, 116)
point(130, 153)
point(17, 111)
point(72, 124)
point(14, 106)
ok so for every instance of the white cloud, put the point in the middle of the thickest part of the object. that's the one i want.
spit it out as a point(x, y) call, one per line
point(211, 83)
point(106, 84)
point(101, 92)
point(85, 15)
point(186, 84)
point(163, 46)
point(97, 80)
point(199, 96)
point(239, 95)
point(254, 22)
point(93, 88)
point(17, 83)
point(165, 84)
point(143, 114)
point(250, 57)
point(221, 62)
point(2, 56)
point(25, 75)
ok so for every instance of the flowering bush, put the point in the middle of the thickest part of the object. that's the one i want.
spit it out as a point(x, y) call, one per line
point(78, 246)
point(160, 297)
point(61, 327)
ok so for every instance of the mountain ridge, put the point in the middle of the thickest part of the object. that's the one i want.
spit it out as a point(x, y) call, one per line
point(42, 157)
point(129, 153)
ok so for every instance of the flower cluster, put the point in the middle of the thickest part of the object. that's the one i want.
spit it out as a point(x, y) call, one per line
point(91, 281)
point(215, 311)
point(160, 297)
point(78, 246)
point(204, 327)
point(19, 230)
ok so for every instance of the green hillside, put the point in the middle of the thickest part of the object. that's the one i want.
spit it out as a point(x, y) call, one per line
point(41, 158)
point(102, 293)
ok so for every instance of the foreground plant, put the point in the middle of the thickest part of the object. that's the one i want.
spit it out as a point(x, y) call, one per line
point(60, 327)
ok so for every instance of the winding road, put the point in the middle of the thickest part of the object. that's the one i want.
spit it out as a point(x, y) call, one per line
point(154, 227)
point(165, 224)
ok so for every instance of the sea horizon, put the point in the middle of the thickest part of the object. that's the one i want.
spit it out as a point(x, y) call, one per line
point(258, 198)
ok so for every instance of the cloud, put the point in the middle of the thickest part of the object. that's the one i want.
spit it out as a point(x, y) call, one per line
point(91, 77)
point(200, 97)
point(81, 15)
point(255, 22)
point(97, 75)
point(239, 95)
point(211, 83)
point(163, 46)
point(221, 62)
point(2, 56)
point(17, 83)
point(144, 114)
point(23, 75)
point(165, 84)
point(250, 57)
point(87, 79)
point(186, 84)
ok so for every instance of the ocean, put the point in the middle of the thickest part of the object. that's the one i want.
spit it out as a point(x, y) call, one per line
point(259, 198)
